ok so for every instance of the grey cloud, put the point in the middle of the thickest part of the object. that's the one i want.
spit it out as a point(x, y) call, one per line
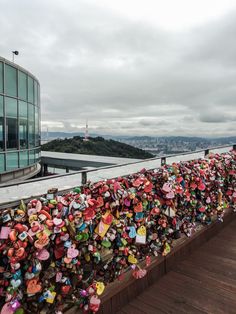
point(125, 77)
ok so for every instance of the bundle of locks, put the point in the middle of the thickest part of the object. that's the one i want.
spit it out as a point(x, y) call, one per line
point(64, 249)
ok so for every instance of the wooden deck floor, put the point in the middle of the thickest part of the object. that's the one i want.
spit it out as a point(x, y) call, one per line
point(205, 282)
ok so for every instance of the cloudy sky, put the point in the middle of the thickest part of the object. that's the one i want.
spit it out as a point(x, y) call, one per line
point(131, 67)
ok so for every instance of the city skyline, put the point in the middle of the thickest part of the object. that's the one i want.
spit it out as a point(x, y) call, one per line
point(130, 68)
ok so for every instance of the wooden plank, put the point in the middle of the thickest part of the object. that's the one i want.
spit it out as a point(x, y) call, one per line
point(221, 249)
point(193, 293)
point(224, 282)
point(217, 264)
point(205, 282)
point(131, 309)
point(165, 303)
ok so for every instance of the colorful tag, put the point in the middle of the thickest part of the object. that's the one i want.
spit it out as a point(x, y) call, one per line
point(4, 233)
point(51, 297)
point(141, 235)
point(102, 227)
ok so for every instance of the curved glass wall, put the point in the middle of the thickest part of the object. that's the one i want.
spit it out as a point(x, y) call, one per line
point(19, 117)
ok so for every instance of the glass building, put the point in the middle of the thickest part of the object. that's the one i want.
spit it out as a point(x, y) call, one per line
point(19, 122)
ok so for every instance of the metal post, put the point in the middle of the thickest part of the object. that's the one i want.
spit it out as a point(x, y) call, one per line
point(163, 161)
point(84, 177)
point(67, 170)
point(45, 169)
point(206, 152)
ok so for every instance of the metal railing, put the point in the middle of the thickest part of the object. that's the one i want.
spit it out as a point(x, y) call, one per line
point(84, 173)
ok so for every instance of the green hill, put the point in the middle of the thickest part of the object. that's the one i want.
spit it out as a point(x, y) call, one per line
point(95, 146)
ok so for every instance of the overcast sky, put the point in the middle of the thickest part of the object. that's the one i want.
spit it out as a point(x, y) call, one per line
point(131, 67)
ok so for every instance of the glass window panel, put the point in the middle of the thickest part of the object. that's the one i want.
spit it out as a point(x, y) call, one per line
point(31, 125)
point(23, 133)
point(1, 133)
point(23, 109)
point(22, 85)
point(36, 126)
point(1, 77)
point(37, 155)
point(31, 112)
point(11, 107)
point(31, 156)
point(12, 161)
point(38, 95)
point(35, 93)
point(1, 106)
point(30, 89)
point(31, 134)
point(11, 133)
point(1, 124)
point(24, 159)
point(10, 80)
point(2, 162)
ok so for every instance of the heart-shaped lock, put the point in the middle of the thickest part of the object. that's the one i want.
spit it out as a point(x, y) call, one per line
point(15, 283)
point(132, 232)
point(42, 255)
point(72, 252)
point(94, 303)
point(57, 221)
point(166, 188)
point(33, 286)
point(139, 273)
point(132, 259)
point(170, 194)
point(100, 287)
point(7, 309)
point(42, 241)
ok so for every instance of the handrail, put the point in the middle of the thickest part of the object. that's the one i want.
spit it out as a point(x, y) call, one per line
point(85, 172)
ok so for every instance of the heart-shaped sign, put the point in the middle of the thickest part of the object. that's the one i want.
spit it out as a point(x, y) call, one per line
point(94, 303)
point(141, 231)
point(127, 202)
point(193, 185)
point(208, 200)
point(7, 309)
point(132, 259)
point(65, 237)
point(100, 287)
point(33, 286)
point(166, 188)
point(170, 195)
point(72, 252)
point(58, 277)
point(42, 241)
point(148, 187)
point(67, 260)
point(140, 273)
point(57, 221)
point(38, 206)
point(42, 255)
point(201, 186)
point(15, 283)
point(29, 276)
point(132, 232)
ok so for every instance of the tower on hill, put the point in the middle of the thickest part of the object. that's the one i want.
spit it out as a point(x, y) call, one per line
point(86, 134)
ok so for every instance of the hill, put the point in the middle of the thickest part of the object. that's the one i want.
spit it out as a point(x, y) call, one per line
point(95, 146)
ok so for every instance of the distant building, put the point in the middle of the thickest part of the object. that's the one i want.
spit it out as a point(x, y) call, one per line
point(19, 122)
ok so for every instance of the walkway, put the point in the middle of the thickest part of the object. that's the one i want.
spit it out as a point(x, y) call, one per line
point(205, 282)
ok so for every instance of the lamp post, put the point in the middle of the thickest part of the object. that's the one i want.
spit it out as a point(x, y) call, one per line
point(13, 55)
